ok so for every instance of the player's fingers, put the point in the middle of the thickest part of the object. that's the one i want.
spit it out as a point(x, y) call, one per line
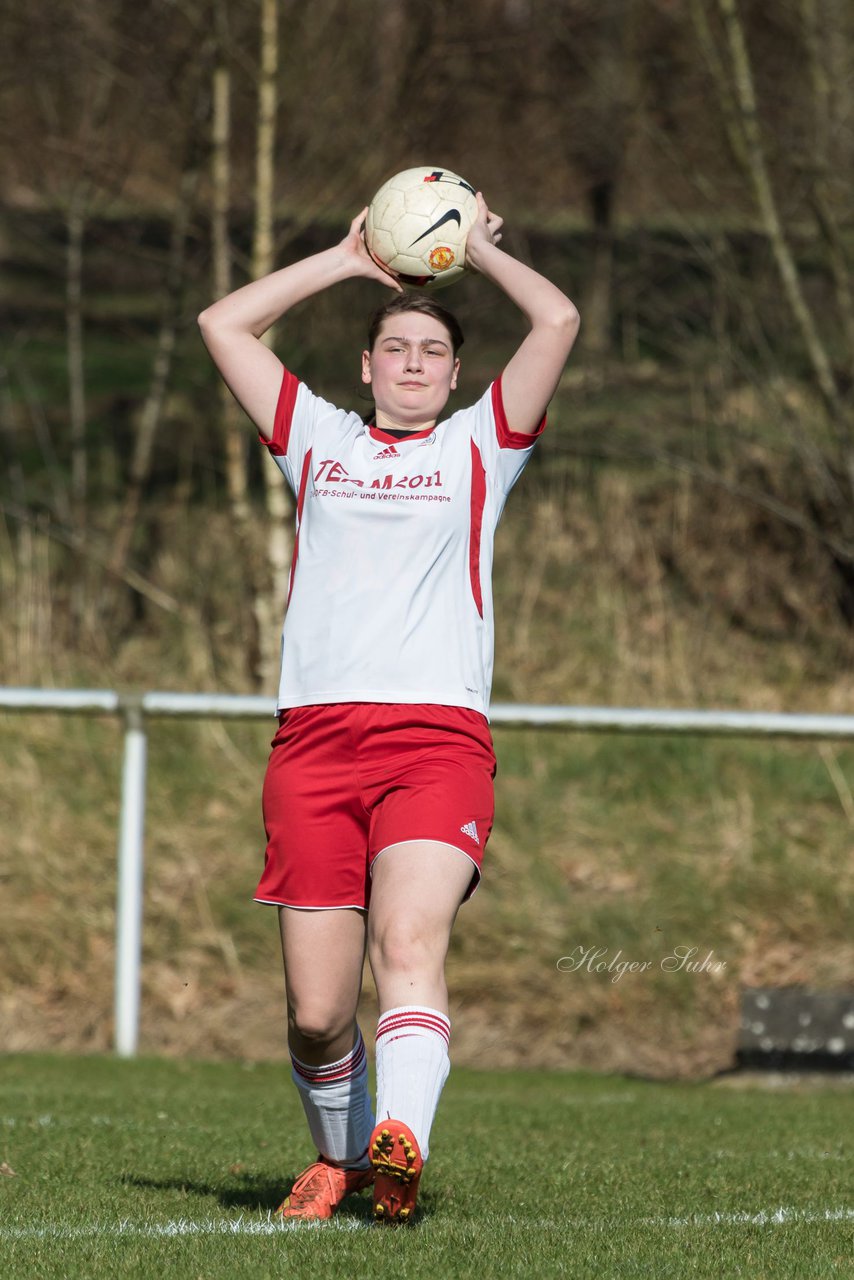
point(357, 226)
point(386, 277)
point(482, 208)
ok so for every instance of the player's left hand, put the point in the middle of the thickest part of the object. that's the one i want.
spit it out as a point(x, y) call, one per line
point(486, 230)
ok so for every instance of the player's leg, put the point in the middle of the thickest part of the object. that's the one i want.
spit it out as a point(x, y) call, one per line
point(315, 870)
point(323, 953)
point(417, 888)
point(427, 776)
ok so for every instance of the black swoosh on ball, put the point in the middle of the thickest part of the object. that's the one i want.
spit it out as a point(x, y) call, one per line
point(453, 215)
point(438, 175)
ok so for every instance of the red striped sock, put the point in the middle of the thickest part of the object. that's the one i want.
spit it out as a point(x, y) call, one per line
point(412, 1067)
point(337, 1106)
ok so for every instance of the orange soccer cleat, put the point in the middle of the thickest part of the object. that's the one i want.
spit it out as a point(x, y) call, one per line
point(319, 1190)
point(396, 1157)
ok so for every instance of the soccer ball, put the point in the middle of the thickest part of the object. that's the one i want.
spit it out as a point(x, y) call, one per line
point(417, 226)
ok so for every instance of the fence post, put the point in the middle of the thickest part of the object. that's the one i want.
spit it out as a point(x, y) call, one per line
point(130, 882)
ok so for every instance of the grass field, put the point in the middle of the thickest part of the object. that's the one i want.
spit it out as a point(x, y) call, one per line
point(135, 1169)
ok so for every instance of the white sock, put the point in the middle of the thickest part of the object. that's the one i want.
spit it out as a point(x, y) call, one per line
point(412, 1067)
point(337, 1106)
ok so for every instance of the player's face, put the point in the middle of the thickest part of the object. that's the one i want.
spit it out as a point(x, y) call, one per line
point(411, 369)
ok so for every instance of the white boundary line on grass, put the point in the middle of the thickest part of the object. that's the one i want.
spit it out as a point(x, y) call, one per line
point(764, 1218)
point(177, 1227)
point(270, 1227)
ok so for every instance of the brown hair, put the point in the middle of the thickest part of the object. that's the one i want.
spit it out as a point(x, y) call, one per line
point(403, 302)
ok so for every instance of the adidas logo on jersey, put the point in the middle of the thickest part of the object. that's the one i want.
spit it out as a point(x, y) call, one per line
point(470, 829)
point(390, 452)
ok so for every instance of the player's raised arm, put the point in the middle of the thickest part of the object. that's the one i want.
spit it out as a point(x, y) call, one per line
point(232, 327)
point(531, 376)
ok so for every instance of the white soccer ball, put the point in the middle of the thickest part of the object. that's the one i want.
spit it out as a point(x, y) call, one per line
point(417, 226)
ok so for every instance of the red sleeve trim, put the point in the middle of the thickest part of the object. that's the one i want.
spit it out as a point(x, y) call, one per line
point(508, 439)
point(278, 443)
point(306, 466)
point(478, 500)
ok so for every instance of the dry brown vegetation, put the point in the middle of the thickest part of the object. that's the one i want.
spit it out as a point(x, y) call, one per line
point(683, 535)
point(621, 843)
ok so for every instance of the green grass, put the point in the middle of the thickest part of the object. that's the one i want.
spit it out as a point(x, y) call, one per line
point(150, 1167)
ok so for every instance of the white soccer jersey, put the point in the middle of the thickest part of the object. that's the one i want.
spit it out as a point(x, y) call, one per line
point(390, 589)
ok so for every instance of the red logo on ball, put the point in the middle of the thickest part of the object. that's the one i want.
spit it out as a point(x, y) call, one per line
point(441, 257)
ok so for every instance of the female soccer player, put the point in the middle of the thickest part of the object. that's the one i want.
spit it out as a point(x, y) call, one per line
point(378, 798)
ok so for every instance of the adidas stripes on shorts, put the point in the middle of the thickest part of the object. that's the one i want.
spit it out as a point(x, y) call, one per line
point(346, 780)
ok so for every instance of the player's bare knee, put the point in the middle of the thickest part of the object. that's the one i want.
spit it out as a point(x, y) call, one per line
point(399, 947)
point(318, 1025)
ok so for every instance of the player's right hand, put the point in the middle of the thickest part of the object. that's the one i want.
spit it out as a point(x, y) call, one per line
point(355, 247)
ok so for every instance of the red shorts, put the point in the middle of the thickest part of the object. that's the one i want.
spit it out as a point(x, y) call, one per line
point(345, 780)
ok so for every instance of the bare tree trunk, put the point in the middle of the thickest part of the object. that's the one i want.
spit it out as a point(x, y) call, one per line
point(82, 189)
point(597, 308)
point(269, 605)
point(75, 226)
point(389, 71)
point(152, 410)
point(232, 419)
point(758, 174)
point(720, 309)
point(838, 24)
point(718, 72)
point(607, 32)
point(813, 29)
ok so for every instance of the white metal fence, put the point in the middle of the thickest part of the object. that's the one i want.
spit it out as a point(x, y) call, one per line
point(136, 709)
